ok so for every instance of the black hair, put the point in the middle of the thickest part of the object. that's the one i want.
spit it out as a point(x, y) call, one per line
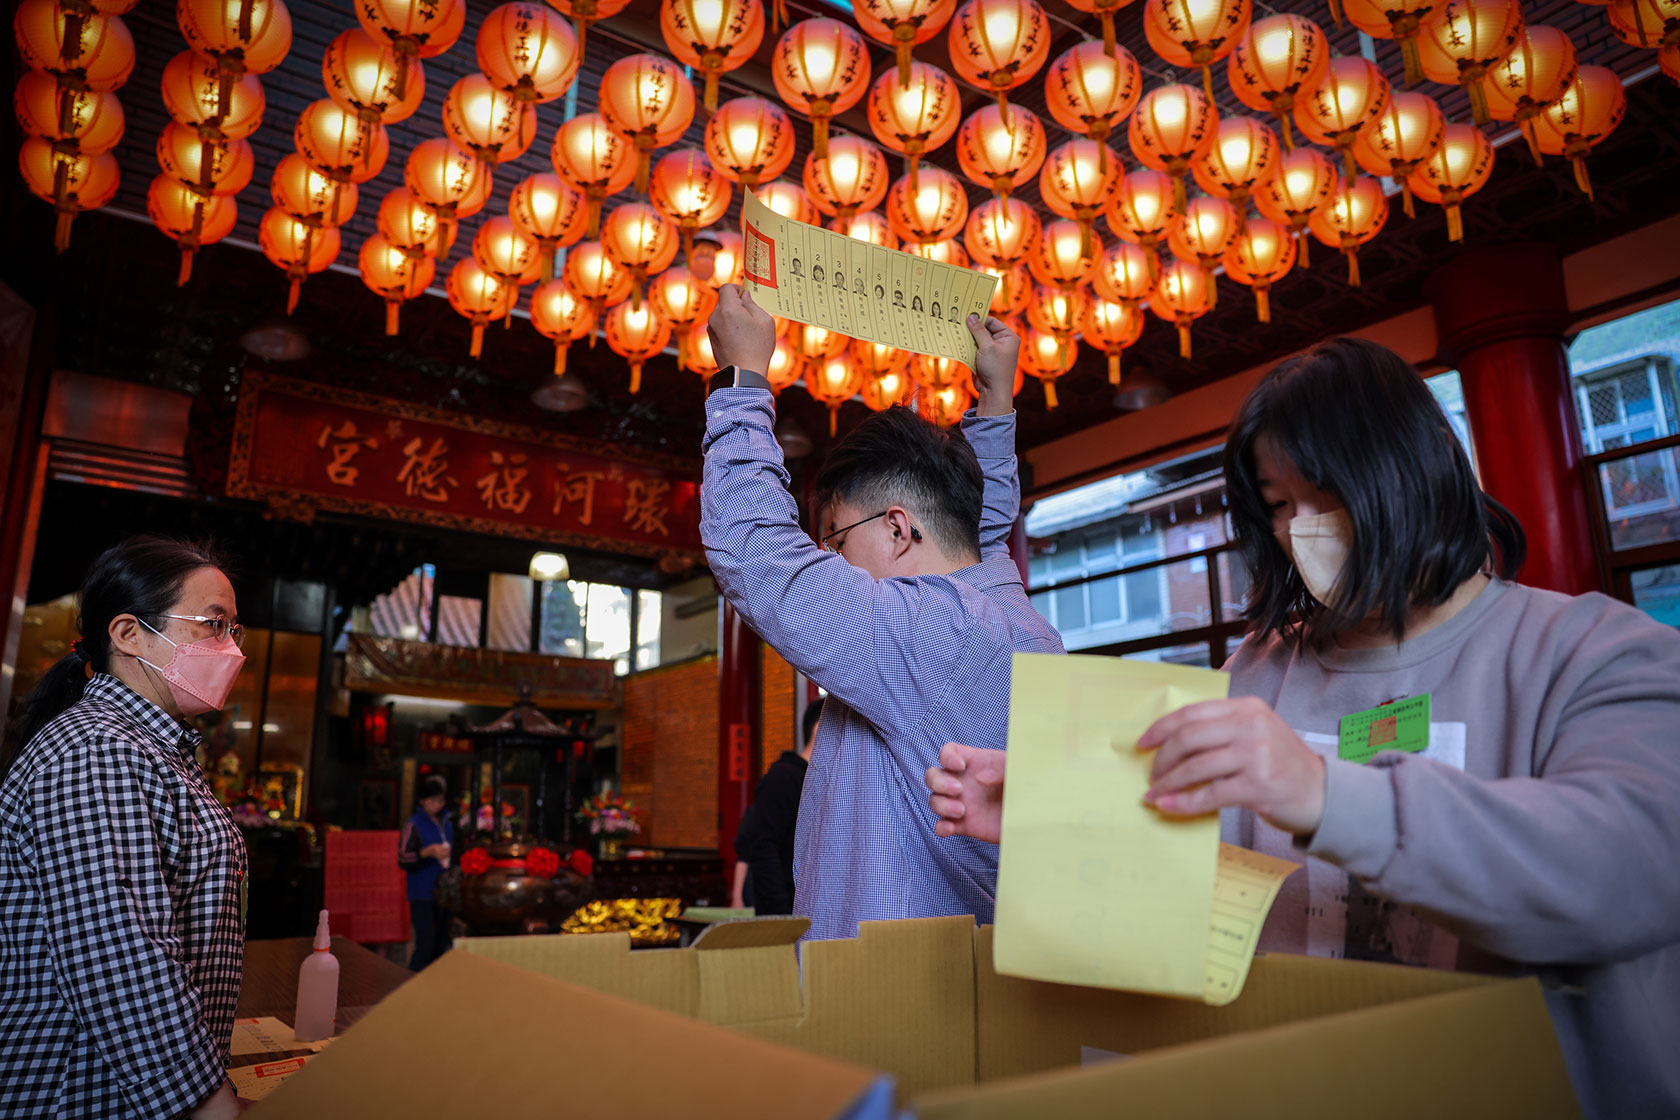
point(1358, 422)
point(432, 785)
point(142, 576)
point(895, 457)
point(808, 724)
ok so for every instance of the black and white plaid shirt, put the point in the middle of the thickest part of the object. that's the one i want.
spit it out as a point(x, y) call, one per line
point(121, 927)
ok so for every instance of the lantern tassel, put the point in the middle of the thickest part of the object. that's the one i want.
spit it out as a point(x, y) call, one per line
point(1262, 303)
point(186, 266)
point(1352, 255)
point(293, 290)
point(688, 247)
point(594, 217)
point(225, 74)
point(1350, 166)
point(778, 16)
point(709, 98)
point(635, 378)
point(66, 109)
point(477, 347)
point(1409, 57)
point(70, 48)
point(244, 25)
point(392, 307)
point(559, 358)
point(1108, 34)
point(1003, 106)
point(1212, 286)
point(1207, 83)
point(1406, 197)
point(819, 136)
point(1180, 198)
point(1303, 242)
point(61, 230)
point(644, 164)
point(1049, 393)
point(833, 420)
point(402, 72)
point(1114, 368)
point(582, 26)
point(1533, 142)
point(915, 161)
point(1183, 338)
point(1478, 102)
point(904, 38)
point(1581, 179)
point(61, 183)
point(1288, 132)
point(547, 261)
point(1455, 223)
point(1336, 11)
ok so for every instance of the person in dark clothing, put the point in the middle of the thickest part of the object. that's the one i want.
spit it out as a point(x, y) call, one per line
point(427, 839)
point(765, 840)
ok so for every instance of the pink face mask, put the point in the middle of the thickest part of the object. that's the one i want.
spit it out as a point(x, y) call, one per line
point(200, 674)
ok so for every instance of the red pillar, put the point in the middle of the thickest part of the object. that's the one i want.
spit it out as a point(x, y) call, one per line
point(739, 685)
point(1500, 313)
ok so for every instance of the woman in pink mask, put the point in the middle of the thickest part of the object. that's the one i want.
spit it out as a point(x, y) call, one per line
point(122, 878)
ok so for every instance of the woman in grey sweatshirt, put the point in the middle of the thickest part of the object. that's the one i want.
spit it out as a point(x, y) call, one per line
point(1481, 775)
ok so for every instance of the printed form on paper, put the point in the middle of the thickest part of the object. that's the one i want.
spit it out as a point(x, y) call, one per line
point(814, 275)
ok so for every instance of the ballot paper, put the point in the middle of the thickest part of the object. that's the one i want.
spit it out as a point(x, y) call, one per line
point(1094, 886)
point(267, 1035)
point(258, 1081)
point(814, 275)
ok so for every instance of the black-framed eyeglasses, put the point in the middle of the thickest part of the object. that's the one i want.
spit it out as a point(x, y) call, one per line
point(219, 625)
point(828, 539)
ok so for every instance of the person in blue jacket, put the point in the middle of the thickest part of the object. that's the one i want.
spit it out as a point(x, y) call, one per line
point(427, 839)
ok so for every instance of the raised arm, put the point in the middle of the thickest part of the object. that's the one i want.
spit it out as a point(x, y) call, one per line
point(990, 430)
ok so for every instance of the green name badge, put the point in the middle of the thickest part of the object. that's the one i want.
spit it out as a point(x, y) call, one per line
point(1400, 726)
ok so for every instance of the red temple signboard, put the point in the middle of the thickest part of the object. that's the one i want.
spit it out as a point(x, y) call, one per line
point(303, 447)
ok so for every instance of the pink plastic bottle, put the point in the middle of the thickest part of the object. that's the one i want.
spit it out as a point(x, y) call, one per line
point(317, 994)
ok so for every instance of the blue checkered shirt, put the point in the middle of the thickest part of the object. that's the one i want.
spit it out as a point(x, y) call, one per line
point(910, 664)
point(121, 934)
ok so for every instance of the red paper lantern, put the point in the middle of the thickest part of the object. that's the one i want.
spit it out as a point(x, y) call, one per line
point(852, 178)
point(997, 45)
point(833, 381)
point(1065, 254)
point(368, 77)
point(1002, 232)
point(1352, 215)
point(1353, 94)
point(717, 258)
point(1047, 356)
point(451, 182)
point(340, 144)
point(593, 275)
point(1393, 19)
point(647, 98)
point(1262, 254)
point(1210, 226)
point(711, 37)
point(505, 251)
point(933, 211)
point(414, 28)
point(1111, 326)
point(1126, 273)
point(750, 140)
point(1531, 77)
point(1196, 32)
point(297, 247)
point(491, 123)
point(1078, 179)
point(1183, 294)
point(790, 201)
point(870, 227)
point(1280, 60)
point(1001, 155)
point(1462, 38)
point(1243, 155)
point(393, 275)
point(243, 36)
point(1144, 208)
point(562, 315)
point(549, 211)
point(1456, 170)
point(1014, 288)
point(1172, 128)
point(182, 156)
point(917, 117)
point(478, 295)
point(821, 69)
point(190, 94)
point(1588, 112)
point(1401, 139)
point(192, 219)
point(901, 24)
point(1092, 89)
point(946, 405)
point(636, 333)
point(1645, 23)
point(94, 52)
point(596, 159)
point(528, 50)
point(408, 223)
point(73, 183)
point(640, 239)
point(1305, 179)
point(882, 391)
point(945, 252)
point(682, 300)
point(688, 190)
point(81, 122)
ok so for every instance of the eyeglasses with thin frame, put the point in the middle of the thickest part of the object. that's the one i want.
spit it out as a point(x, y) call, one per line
point(833, 546)
point(219, 625)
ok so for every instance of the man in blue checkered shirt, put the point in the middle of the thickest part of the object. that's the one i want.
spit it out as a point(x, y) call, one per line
point(908, 615)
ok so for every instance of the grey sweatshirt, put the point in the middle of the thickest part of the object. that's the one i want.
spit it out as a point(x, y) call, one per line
point(1538, 833)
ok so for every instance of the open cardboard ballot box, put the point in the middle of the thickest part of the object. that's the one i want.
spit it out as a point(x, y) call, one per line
point(910, 1019)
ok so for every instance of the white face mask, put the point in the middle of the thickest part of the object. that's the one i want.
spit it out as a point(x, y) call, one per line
point(1319, 546)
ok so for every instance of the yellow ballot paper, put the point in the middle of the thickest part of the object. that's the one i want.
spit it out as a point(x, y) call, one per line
point(814, 275)
point(1094, 886)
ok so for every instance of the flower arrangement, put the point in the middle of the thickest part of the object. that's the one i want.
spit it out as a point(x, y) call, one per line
point(476, 861)
point(610, 814)
point(484, 820)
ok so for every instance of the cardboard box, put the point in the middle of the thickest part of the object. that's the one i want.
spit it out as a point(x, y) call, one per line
point(566, 1025)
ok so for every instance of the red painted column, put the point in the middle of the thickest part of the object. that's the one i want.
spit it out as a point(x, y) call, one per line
point(739, 735)
point(1501, 313)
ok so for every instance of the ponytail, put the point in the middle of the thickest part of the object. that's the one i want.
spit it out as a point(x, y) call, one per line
point(1507, 543)
point(55, 693)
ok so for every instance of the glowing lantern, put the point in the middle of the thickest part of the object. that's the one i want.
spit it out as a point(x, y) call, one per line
point(297, 247)
point(1458, 169)
point(1588, 111)
point(1125, 273)
point(1091, 90)
point(1407, 133)
point(1462, 38)
point(586, 12)
point(882, 391)
point(527, 50)
point(1533, 76)
point(871, 227)
point(701, 359)
point(1281, 59)
point(750, 140)
point(1057, 311)
point(181, 155)
point(1172, 127)
point(1002, 232)
point(492, 124)
point(931, 372)
point(393, 275)
point(1001, 155)
point(877, 359)
point(717, 258)
point(1196, 32)
point(914, 119)
point(408, 223)
point(1645, 23)
point(1047, 356)
point(339, 143)
point(1305, 179)
point(550, 212)
point(815, 342)
point(1242, 156)
point(1065, 254)
point(595, 159)
point(502, 249)
point(786, 367)
point(1210, 226)
point(73, 14)
point(640, 239)
point(414, 28)
point(647, 98)
point(636, 333)
point(82, 122)
point(478, 295)
point(690, 191)
point(833, 381)
point(1352, 94)
point(95, 54)
point(1393, 19)
point(1262, 255)
point(591, 272)
point(451, 182)
point(190, 94)
point(682, 300)
point(821, 69)
point(562, 315)
point(901, 24)
point(944, 406)
point(364, 75)
point(997, 45)
point(933, 211)
point(1014, 288)
point(243, 36)
point(189, 217)
point(1183, 294)
point(1078, 179)
point(1144, 208)
point(1111, 326)
point(73, 183)
point(1352, 215)
point(853, 177)
point(790, 201)
point(711, 36)
point(945, 252)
